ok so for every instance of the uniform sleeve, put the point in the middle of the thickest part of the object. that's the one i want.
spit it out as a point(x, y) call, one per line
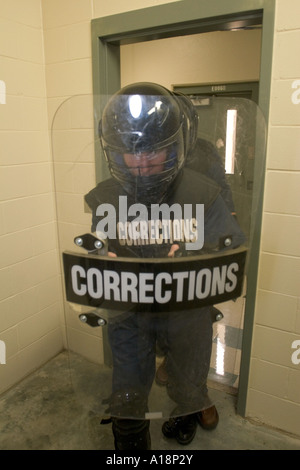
point(221, 229)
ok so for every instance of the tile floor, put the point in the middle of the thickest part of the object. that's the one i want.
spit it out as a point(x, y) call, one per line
point(43, 412)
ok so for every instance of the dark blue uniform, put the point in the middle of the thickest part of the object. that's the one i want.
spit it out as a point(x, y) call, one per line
point(186, 334)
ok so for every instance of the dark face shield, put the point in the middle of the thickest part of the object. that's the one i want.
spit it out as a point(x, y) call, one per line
point(147, 175)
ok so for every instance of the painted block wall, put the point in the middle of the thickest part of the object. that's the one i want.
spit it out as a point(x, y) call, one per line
point(274, 388)
point(31, 316)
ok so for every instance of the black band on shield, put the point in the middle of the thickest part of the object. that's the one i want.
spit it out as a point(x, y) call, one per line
point(151, 285)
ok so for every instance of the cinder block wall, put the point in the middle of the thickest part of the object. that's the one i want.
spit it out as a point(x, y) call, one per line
point(274, 396)
point(31, 317)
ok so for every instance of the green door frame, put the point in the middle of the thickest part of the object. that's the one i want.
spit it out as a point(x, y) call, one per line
point(221, 89)
point(177, 19)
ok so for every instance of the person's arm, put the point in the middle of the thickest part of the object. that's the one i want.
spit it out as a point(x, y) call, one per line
point(221, 229)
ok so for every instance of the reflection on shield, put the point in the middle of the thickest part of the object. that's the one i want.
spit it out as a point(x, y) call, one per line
point(127, 303)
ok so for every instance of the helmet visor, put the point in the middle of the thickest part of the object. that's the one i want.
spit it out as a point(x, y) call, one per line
point(148, 168)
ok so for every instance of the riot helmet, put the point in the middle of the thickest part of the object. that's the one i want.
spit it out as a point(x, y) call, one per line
point(144, 139)
point(190, 122)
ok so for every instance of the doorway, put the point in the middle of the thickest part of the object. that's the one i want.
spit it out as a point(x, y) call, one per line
point(227, 332)
point(216, 55)
point(180, 19)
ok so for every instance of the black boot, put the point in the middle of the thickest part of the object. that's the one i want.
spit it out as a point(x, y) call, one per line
point(131, 434)
point(182, 428)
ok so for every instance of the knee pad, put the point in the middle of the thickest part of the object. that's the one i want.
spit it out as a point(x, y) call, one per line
point(128, 404)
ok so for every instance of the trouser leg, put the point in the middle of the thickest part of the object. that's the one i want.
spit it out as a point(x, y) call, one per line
point(132, 343)
point(190, 345)
point(133, 347)
point(189, 351)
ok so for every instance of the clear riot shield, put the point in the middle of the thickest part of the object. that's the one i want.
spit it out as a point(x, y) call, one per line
point(149, 254)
